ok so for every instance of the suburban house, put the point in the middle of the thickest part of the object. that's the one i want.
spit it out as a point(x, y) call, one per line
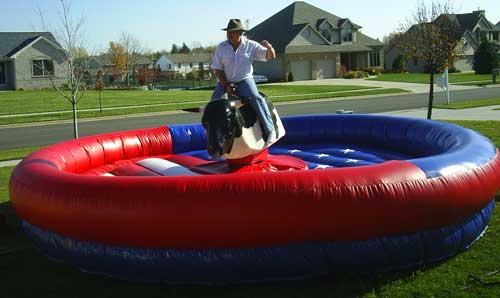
point(183, 63)
point(473, 27)
point(314, 44)
point(30, 60)
point(111, 74)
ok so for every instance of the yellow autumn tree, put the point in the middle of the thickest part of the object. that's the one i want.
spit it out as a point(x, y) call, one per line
point(117, 57)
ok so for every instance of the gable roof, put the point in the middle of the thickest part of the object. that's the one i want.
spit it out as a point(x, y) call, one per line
point(189, 58)
point(497, 26)
point(281, 28)
point(13, 42)
point(467, 21)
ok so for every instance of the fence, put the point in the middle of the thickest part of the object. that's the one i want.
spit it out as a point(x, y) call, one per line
point(160, 84)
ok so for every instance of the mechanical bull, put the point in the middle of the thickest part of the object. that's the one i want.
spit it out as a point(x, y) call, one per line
point(234, 131)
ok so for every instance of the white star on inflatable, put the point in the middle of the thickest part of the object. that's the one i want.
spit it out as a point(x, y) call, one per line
point(322, 167)
point(347, 151)
point(322, 155)
point(294, 151)
point(189, 132)
point(351, 160)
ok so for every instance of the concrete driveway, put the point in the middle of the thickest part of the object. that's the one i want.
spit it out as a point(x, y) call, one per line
point(412, 87)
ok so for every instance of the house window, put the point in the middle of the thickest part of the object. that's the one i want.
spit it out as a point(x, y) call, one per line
point(495, 36)
point(375, 58)
point(179, 65)
point(483, 35)
point(169, 66)
point(347, 35)
point(3, 73)
point(326, 34)
point(42, 67)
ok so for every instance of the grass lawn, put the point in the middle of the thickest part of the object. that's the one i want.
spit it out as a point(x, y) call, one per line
point(472, 274)
point(423, 78)
point(16, 153)
point(133, 102)
point(469, 104)
point(34, 101)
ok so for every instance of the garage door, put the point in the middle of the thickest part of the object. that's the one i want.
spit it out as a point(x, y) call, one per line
point(325, 69)
point(301, 70)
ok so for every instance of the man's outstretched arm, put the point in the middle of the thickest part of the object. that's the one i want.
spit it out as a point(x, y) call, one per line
point(271, 53)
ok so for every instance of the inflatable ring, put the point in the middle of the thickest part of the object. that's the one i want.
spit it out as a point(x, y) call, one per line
point(381, 193)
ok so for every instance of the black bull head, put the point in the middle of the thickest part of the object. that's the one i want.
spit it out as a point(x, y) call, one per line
point(224, 121)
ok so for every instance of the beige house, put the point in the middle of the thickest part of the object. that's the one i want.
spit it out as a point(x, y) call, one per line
point(314, 44)
point(473, 27)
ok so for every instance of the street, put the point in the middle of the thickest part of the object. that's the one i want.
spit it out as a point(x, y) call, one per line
point(45, 134)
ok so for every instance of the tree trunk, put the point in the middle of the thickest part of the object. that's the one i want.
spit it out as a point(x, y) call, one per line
point(431, 94)
point(75, 122)
point(100, 101)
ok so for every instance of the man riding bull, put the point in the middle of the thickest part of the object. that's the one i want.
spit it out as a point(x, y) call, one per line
point(232, 64)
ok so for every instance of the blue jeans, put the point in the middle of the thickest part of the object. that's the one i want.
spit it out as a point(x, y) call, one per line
point(248, 89)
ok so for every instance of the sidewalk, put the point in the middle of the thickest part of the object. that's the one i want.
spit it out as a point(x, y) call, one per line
point(481, 113)
point(8, 163)
point(413, 87)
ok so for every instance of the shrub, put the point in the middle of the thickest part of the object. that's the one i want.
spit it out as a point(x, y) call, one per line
point(398, 64)
point(355, 75)
point(20, 89)
point(290, 77)
point(192, 75)
point(373, 71)
point(485, 58)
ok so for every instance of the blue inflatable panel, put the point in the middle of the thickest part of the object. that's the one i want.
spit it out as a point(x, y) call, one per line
point(214, 266)
point(187, 137)
point(437, 148)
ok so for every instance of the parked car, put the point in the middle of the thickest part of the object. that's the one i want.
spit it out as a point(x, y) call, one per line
point(259, 78)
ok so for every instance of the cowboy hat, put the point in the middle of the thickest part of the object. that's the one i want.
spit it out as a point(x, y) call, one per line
point(234, 25)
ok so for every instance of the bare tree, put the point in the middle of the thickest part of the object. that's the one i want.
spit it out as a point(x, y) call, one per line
point(430, 37)
point(133, 52)
point(76, 63)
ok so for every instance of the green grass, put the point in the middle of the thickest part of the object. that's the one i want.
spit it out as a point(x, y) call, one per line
point(19, 153)
point(123, 102)
point(34, 101)
point(469, 104)
point(472, 274)
point(423, 78)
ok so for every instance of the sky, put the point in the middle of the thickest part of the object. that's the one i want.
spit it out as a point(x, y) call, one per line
point(157, 24)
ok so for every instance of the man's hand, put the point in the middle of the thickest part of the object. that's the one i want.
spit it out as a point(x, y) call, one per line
point(271, 54)
point(266, 44)
point(230, 89)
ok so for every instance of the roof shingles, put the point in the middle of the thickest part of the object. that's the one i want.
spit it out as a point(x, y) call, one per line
point(12, 42)
point(281, 28)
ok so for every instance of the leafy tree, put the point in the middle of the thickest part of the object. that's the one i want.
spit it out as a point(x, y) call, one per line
point(431, 38)
point(117, 57)
point(185, 49)
point(133, 52)
point(99, 85)
point(399, 63)
point(485, 58)
point(175, 49)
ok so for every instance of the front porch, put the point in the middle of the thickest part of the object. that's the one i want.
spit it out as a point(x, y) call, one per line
point(358, 61)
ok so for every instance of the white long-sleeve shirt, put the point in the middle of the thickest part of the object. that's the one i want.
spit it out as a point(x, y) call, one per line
point(237, 65)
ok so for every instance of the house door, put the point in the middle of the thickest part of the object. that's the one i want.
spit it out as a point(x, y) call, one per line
point(348, 61)
point(3, 73)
